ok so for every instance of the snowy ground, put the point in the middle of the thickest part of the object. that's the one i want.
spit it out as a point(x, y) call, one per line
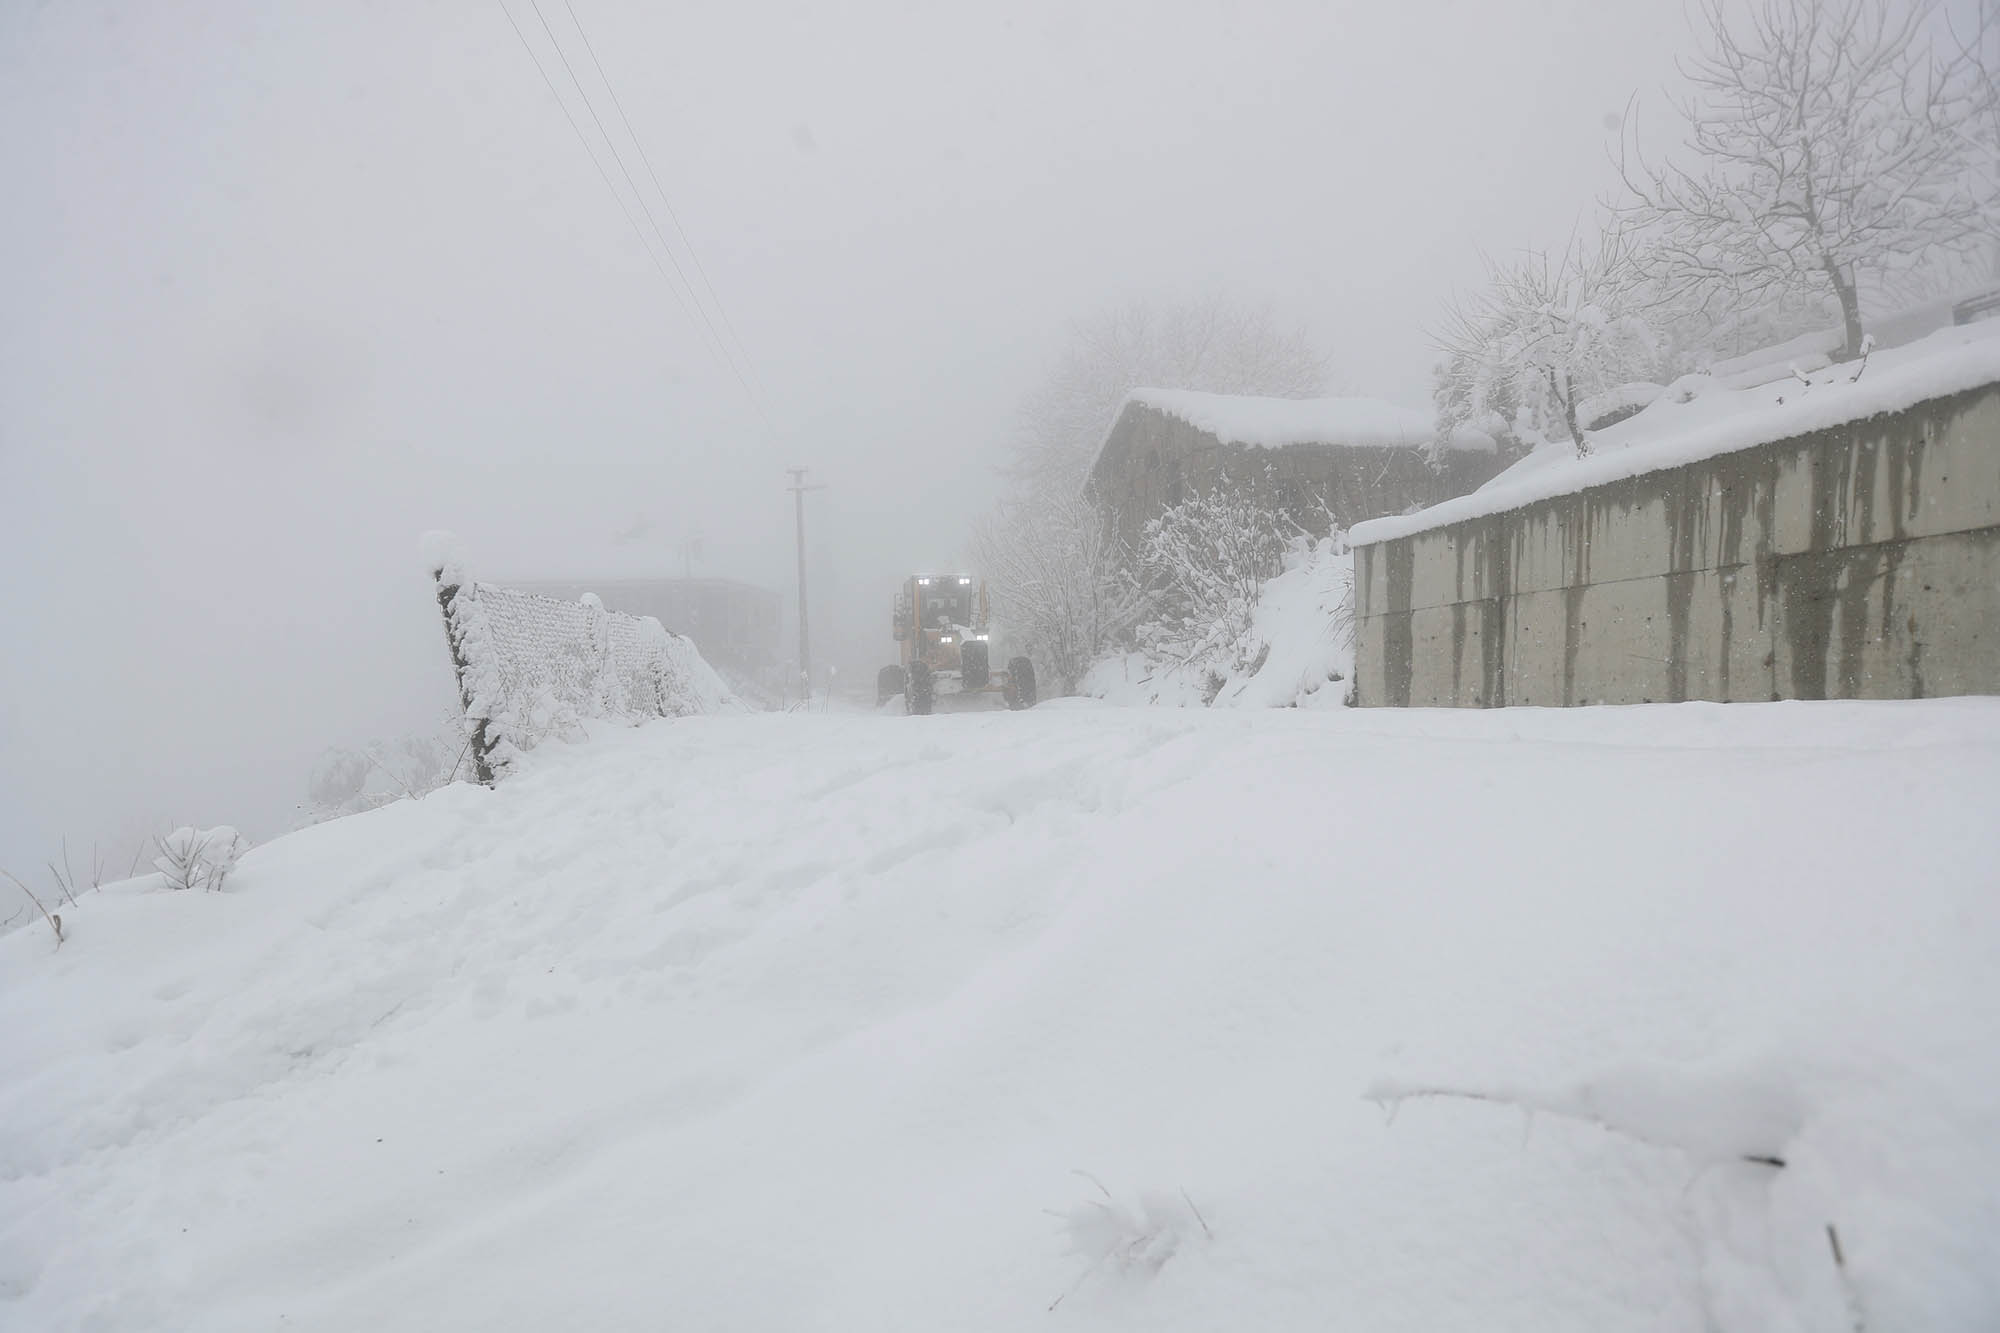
point(805, 1021)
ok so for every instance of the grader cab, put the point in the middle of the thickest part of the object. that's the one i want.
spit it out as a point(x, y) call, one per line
point(944, 640)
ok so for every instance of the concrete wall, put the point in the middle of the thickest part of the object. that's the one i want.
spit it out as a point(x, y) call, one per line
point(1856, 562)
point(1152, 459)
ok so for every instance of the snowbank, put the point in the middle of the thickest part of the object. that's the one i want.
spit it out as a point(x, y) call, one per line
point(805, 1022)
point(1274, 423)
point(1698, 418)
point(1297, 653)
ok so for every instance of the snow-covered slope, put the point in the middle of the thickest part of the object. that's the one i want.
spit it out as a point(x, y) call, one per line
point(805, 1022)
point(1296, 653)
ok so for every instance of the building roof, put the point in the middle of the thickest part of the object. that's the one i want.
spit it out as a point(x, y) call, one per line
point(1277, 423)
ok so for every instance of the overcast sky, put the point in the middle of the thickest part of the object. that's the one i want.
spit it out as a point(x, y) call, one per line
point(285, 284)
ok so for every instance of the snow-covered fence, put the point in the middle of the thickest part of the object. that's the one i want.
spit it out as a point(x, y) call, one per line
point(531, 666)
point(1845, 544)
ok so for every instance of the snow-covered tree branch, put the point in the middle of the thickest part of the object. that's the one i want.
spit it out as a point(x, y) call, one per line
point(1059, 580)
point(1543, 335)
point(1831, 144)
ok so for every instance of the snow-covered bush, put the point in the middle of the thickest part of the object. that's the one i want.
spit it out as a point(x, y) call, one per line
point(1296, 652)
point(200, 858)
point(1203, 562)
point(1132, 1238)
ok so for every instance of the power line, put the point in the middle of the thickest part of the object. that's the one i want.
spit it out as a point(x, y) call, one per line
point(626, 172)
point(584, 139)
point(692, 313)
point(694, 256)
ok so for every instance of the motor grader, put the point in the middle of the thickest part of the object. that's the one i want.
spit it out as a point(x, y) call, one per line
point(944, 639)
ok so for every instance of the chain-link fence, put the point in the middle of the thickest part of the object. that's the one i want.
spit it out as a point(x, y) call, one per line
point(531, 666)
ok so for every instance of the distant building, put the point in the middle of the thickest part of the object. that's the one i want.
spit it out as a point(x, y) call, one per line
point(734, 624)
point(1352, 458)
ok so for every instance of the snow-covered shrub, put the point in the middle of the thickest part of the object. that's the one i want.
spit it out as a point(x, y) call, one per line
point(1133, 1238)
point(1204, 561)
point(200, 858)
point(1297, 651)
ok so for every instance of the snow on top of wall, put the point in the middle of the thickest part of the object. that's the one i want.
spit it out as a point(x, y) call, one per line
point(1273, 423)
point(1625, 398)
point(1765, 364)
point(1698, 419)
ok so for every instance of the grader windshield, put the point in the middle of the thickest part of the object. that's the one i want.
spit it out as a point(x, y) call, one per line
point(946, 600)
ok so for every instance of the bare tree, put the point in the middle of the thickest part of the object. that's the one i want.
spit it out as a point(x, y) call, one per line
point(1978, 45)
point(1209, 344)
point(1059, 581)
point(1544, 334)
point(1832, 145)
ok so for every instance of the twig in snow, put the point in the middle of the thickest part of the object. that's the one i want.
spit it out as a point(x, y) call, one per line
point(1867, 346)
point(383, 769)
point(63, 890)
point(1197, 1214)
point(55, 922)
point(1082, 1278)
point(1079, 1171)
point(1852, 1298)
point(1391, 1102)
point(453, 775)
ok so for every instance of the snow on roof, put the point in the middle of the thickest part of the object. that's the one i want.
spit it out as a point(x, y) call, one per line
point(1274, 423)
point(1697, 418)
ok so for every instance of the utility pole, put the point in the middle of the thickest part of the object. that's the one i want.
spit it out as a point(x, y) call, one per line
point(798, 488)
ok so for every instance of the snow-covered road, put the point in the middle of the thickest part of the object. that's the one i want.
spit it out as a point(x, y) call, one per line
point(807, 1022)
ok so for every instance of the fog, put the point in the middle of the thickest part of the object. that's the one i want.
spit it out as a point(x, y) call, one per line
point(286, 285)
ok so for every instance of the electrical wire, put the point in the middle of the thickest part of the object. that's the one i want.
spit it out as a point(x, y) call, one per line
point(694, 312)
point(694, 256)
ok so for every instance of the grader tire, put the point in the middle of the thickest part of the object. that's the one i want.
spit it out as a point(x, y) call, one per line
point(1020, 684)
point(922, 690)
point(889, 682)
point(974, 666)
